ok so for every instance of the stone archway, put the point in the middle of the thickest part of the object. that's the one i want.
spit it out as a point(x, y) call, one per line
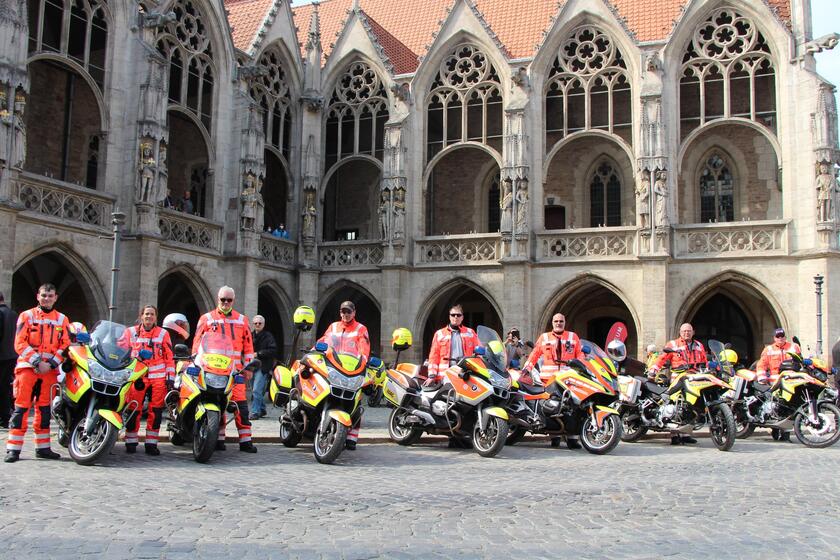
point(479, 309)
point(76, 297)
point(275, 313)
point(188, 163)
point(367, 313)
point(591, 308)
point(178, 294)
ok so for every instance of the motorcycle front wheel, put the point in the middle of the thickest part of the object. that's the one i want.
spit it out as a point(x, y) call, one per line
point(722, 428)
point(87, 449)
point(632, 427)
point(289, 435)
point(823, 434)
point(601, 442)
point(330, 443)
point(205, 435)
point(491, 440)
point(399, 432)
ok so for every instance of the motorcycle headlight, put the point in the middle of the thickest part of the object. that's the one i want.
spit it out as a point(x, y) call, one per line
point(215, 381)
point(105, 375)
point(344, 382)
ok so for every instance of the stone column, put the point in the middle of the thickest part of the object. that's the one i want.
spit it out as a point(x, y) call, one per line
point(515, 203)
point(152, 146)
point(393, 192)
point(826, 158)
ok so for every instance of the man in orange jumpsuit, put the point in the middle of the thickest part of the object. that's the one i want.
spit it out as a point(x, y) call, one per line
point(235, 326)
point(349, 336)
point(451, 343)
point(556, 348)
point(767, 369)
point(41, 337)
point(161, 375)
point(687, 353)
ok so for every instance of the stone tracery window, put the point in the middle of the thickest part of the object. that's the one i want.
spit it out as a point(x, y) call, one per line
point(588, 87)
point(77, 29)
point(465, 102)
point(185, 43)
point(727, 72)
point(356, 115)
point(605, 196)
point(717, 190)
point(272, 92)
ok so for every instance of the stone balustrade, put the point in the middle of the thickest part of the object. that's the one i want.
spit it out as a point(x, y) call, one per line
point(604, 243)
point(357, 254)
point(276, 250)
point(57, 199)
point(731, 239)
point(184, 229)
point(475, 248)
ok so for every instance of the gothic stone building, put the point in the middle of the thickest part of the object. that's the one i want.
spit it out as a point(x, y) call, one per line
point(650, 161)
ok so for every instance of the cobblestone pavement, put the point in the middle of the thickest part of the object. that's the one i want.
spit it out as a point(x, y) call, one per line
point(646, 500)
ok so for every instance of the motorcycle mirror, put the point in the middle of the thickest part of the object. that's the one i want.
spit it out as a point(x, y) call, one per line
point(321, 346)
point(480, 351)
point(145, 354)
point(181, 351)
point(796, 341)
point(374, 362)
point(83, 338)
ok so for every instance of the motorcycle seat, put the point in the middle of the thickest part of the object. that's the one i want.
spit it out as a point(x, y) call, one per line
point(654, 388)
point(431, 388)
point(761, 387)
point(531, 389)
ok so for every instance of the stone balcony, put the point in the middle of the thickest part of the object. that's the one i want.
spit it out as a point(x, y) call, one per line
point(732, 239)
point(469, 249)
point(194, 232)
point(278, 251)
point(361, 254)
point(58, 202)
point(587, 244)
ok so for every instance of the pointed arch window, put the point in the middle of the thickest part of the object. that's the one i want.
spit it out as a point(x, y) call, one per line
point(727, 72)
point(272, 92)
point(605, 196)
point(717, 190)
point(588, 87)
point(356, 115)
point(77, 29)
point(465, 102)
point(185, 43)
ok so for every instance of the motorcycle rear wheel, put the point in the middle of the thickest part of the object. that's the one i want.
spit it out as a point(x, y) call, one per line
point(490, 441)
point(722, 429)
point(515, 435)
point(603, 442)
point(803, 429)
point(401, 434)
point(206, 433)
point(329, 444)
point(289, 437)
point(86, 450)
point(632, 430)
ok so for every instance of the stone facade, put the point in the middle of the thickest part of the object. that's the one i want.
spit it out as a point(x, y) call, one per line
point(408, 160)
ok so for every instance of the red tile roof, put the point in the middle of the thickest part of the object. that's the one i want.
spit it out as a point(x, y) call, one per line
point(405, 28)
point(245, 18)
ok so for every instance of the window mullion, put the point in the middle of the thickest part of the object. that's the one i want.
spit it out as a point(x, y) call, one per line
point(65, 29)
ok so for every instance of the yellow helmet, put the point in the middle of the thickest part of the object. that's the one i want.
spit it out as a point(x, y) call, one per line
point(729, 355)
point(401, 339)
point(304, 317)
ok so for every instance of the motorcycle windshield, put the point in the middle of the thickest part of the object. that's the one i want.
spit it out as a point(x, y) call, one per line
point(596, 351)
point(717, 348)
point(494, 348)
point(214, 353)
point(110, 345)
point(342, 359)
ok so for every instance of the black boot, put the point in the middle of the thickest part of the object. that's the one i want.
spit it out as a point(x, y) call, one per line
point(555, 442)
point(676, 440)
point(785, 436)
point(247, 447)
point(350, 444)
point(46, 453)
point(152, 449)
point(131, 448)
point(689, 440)
point(572, 443)
point(220, 446)
point(12, 456)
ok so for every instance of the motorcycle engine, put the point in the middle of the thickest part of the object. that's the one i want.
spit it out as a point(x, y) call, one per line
point(666, 413)
point(439, 408)
point(767, 410)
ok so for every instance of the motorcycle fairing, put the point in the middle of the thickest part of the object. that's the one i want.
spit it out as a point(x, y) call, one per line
point(202, 408)
point(472, 391)
point(313, 389)
point(111, 416)
point(341, 417)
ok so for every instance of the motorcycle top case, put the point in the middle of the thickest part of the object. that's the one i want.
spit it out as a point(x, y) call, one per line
point(281, 385)
point(399, 385)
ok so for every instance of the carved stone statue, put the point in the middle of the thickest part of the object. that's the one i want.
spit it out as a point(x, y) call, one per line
point(826, 187)
point(660, 189)
point(385, 214)
point(820, 44)
point(248, 198)
point(643, 199)
point(147, 169)
point(522, 206)
point(399, 213)
point(506, 206)
point(18, 155)
point(162, 156)
point(309, 213)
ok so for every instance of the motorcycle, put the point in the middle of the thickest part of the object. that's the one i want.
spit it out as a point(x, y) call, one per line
point(467, 404)
point(90, 406)
point(696, 397)
point(799, 398)
point(577, 400)
point(201, 393)
point(321, 396)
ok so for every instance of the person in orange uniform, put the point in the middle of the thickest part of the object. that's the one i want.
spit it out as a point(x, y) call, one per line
point(235, 326)
point(770, 362)
point(556, 348)
point(349, 336)
point(686, 353)
point(451, 343)
point(147, 334)
point(41, 337)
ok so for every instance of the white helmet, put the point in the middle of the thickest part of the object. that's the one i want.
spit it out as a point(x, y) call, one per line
point(177, 323)
point(616, 350)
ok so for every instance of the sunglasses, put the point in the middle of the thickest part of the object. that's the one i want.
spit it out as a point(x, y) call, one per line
point(346, 311)
point(456, 314)
point(226, 299)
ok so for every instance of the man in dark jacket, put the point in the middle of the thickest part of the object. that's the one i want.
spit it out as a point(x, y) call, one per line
point(8, 357)
point(266, 350)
